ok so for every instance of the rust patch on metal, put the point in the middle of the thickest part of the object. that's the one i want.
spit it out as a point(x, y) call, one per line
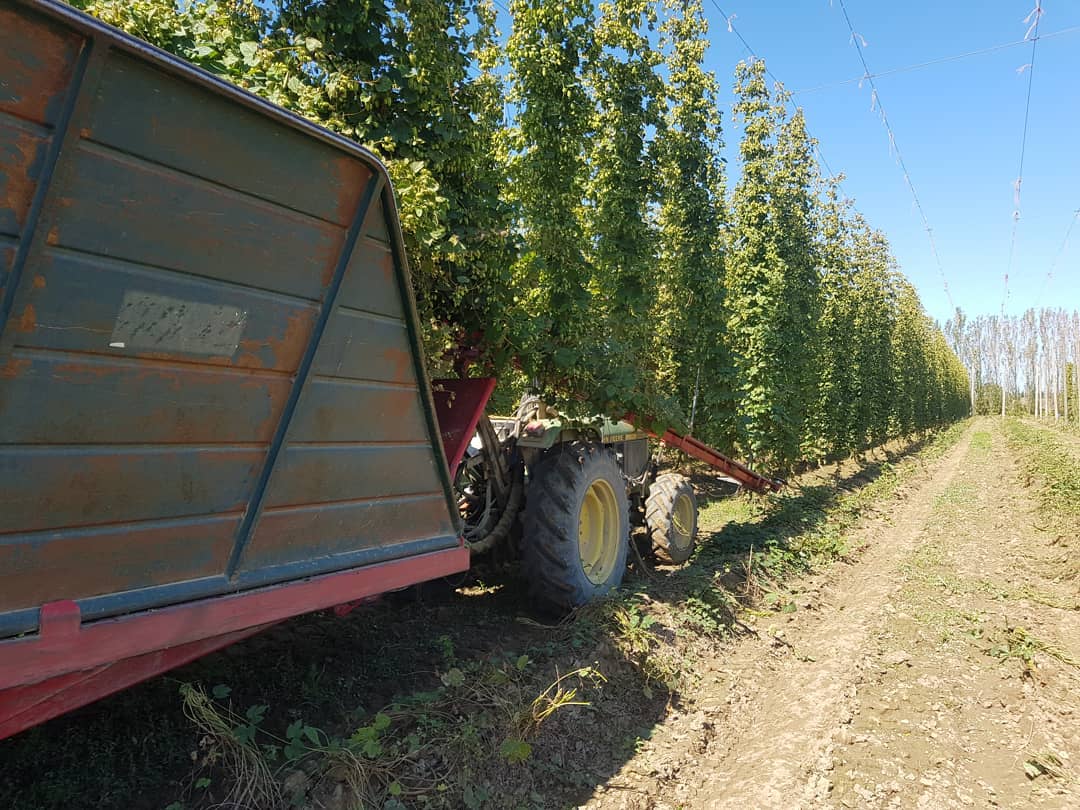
point(35, 61)
point(248, 360)
point(17, 183)
point(15, 367)
point(401, 360)
point(209, 359)
point(39, 282)
point(353, 179)
point(329, 265)
point(286, 351)
point(79, 372)
point(185, 404)
point(27, 321)
point(123, 559)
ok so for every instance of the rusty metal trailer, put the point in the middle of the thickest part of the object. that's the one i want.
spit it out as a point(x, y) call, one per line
point(213, 408)
point(214, 413)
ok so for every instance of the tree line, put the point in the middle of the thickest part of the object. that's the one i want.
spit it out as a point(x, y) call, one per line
point(568, 218)
point(1021, 364)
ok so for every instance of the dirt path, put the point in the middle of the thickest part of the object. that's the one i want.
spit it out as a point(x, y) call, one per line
point(928, 673)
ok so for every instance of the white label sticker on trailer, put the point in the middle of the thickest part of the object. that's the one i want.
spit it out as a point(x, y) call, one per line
point(152, 322)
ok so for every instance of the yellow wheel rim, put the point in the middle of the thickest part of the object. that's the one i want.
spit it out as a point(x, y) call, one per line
point(683, 519)
point(598, 532)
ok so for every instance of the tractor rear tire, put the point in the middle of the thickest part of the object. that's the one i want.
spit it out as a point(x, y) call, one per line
point(671, 518)
point(576, 526)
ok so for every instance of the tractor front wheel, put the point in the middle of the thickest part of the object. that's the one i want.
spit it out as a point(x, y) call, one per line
point(577, 525)
point(671, 518)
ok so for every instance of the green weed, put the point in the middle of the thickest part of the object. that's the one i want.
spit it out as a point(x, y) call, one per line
point(1051, 465)
point(632, 633)
point(419, 747)
point(1047, 763)
point(1021, 645)
point(1054, 471)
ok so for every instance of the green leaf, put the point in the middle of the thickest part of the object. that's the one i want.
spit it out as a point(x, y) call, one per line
point(221, 691)
point(515, 751)
point(249, 51)
point(245, 733)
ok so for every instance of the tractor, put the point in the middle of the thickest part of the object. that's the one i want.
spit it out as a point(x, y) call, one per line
point(578, 496)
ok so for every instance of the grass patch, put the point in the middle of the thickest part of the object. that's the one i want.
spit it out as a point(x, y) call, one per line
point(1049, 465)
point(959, 493)
point(1053, 470)
point(981, 441)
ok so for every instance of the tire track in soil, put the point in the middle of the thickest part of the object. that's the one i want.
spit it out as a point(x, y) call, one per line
point(765, 714)
point(790, 707)
point(980, 697)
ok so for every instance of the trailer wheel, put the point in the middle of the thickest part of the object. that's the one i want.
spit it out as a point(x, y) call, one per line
point(671, 518)
point(577, 525)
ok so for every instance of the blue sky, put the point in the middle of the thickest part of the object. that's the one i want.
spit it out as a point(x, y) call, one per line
point(958, 126)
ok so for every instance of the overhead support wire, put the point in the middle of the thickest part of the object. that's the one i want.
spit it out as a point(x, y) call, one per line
point(729, 20)
point(932, 62)
point(1033, 34)
point(1049, 278)
point(875, 96)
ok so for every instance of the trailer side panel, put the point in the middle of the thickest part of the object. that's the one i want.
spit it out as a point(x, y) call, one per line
point(210, 378)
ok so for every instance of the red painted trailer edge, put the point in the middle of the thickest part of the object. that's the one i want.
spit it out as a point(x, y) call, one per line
point(459, 404)
point(29, 705)
point(39, 675)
